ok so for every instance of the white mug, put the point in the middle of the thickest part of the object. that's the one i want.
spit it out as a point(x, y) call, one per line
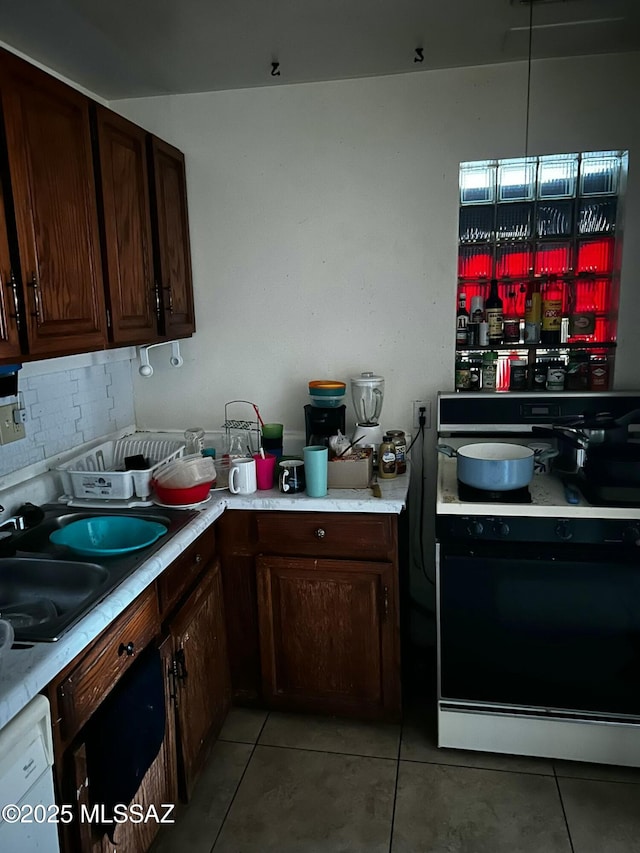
point(242, 476)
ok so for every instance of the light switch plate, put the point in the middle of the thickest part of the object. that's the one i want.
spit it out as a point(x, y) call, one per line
point(9, 430)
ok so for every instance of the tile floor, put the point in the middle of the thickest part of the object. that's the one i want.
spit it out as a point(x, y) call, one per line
point(281, 783)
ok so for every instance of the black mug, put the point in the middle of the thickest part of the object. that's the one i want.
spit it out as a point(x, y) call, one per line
point(291, 476)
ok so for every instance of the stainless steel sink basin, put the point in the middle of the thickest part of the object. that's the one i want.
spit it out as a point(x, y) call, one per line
point(37, 595)
point(44, 595)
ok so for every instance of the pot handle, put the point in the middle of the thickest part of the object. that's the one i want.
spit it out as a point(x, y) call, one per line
point(558, 433)
point(447, 450)
point(629, 418)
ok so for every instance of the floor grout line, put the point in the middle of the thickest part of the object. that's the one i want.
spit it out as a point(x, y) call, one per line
point(564, 813)
point(235, 793)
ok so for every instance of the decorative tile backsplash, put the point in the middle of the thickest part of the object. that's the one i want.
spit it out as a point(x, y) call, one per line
point(70, 407)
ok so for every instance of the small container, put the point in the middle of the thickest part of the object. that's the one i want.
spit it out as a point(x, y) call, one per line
point(598, 374)
point(397, 436)
point(195, 440)
point(475, 371)
point(463, 376)
point(518, 375)
point(387, 466)
point(489, 371)
point(511, 330)
point(483, 334)
point(577, 378)
point(540, 374)
point(556, 373)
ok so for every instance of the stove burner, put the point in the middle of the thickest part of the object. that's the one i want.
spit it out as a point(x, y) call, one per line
point(513, 496)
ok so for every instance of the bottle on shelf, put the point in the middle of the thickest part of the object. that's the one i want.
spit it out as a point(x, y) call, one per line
point(556, 372)
point(476, 316)
point(489, 370)
point(462, 322)
point(532, 313)
point(494, 313)
point(552, 299)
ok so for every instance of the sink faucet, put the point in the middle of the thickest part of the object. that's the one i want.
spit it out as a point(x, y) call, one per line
point(16, 522)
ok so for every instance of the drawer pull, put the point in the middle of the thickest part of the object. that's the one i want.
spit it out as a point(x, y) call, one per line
point(320, 533)
point(198, 558)
point(128, 650)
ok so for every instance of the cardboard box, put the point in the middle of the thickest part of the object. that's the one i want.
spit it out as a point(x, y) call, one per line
point(350, 472)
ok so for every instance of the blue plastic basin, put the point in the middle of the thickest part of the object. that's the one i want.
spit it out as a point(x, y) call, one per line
point(108, 535)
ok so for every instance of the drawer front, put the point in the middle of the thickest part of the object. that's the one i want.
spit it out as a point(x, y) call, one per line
point(319, 534)
point(111, 656)
point(180, 576)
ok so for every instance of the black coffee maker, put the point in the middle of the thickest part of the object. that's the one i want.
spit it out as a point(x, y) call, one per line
point(321, 423)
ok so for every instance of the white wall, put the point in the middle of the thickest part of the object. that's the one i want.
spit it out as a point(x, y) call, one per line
point(324, 224)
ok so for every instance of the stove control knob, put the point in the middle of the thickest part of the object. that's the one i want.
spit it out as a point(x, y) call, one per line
point(563, 531)
point(631, 535)
point(501, 528)
point(475, 528)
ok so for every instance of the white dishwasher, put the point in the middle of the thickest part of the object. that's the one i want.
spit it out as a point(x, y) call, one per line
point(28, 816)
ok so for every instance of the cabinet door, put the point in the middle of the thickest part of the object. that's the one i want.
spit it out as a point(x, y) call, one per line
point(9, 307)
point(156, 788)
point(327, 635)
point(126, 227)
point(204, 693)
point(51, 171)
point(172, 249)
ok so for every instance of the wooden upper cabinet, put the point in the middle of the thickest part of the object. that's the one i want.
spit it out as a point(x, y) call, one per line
point(9, 306)
point(123, 189)
point(172, 250)
point(51, 171)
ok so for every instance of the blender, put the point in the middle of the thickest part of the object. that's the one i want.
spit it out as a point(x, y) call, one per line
point(367, 392)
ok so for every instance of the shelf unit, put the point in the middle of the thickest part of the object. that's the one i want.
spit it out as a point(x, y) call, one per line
point(531, 218)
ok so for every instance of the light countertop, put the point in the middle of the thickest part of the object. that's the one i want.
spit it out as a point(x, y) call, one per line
point(25, 672)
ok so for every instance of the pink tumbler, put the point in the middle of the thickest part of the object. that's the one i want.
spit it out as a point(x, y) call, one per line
point(265, 470)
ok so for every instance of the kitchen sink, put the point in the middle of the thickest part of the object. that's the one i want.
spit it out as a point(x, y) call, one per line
point(45, 588)
point(37, 595)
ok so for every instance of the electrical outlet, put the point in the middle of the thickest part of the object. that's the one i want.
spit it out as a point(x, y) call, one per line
point(417, 405)
point(9, 429)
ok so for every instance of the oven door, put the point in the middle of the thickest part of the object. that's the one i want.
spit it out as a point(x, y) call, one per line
point(534, 627)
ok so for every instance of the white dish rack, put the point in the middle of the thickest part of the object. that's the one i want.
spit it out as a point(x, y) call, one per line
point(98, 475)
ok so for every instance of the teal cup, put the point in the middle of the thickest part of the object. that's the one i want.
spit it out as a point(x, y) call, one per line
point(316, 459)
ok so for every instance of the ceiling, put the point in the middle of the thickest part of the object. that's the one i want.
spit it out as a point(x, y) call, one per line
point(137, 48)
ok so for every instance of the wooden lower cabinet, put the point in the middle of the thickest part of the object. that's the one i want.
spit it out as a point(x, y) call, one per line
point(312, 611)
point(327, 635)
point(158, 787)
point(182, 615)
point(203, 689)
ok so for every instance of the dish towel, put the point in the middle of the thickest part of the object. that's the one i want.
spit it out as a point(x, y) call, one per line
point(124, 736)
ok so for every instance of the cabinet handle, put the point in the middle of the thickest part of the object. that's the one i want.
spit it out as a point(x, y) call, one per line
point(198, 559)
point(320, 533)
point(385, 601)
point(167, 287)
point(13, 287)
point(128, 650)
point(181, 667)
point(35, 284)
point(156, 298)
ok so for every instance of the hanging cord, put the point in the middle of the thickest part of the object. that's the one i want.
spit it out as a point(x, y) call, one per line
point(526, 132)
point(421, 561)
